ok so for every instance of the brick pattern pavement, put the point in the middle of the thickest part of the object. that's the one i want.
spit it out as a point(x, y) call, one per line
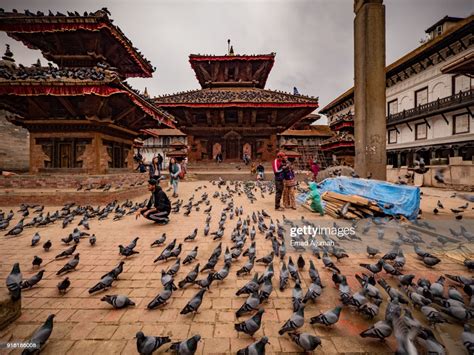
point(85, 325)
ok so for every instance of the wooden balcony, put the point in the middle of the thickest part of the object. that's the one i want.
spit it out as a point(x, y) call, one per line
point(460, 100)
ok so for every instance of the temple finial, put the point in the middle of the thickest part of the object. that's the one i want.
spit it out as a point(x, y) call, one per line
point(8, 54)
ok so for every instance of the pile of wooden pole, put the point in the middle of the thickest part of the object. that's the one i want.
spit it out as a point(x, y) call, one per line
point(355, 206)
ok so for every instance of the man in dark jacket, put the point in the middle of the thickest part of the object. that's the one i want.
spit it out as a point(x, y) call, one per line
point(158, 207)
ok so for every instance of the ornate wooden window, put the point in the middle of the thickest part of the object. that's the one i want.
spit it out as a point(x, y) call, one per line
point(64, 153)
point(118, 153)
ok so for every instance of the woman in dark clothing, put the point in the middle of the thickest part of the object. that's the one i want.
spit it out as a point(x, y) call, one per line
point(160, 161)
point(174, 169)
point(155, 170)
point(141, 167)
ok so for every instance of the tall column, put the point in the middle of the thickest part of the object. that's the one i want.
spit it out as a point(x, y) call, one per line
point(369, 94)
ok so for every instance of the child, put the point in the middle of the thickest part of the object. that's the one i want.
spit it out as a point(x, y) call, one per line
point(289, 187)
point(315, 198)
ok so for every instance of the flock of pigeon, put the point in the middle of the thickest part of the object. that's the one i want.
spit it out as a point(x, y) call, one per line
point(414, 306)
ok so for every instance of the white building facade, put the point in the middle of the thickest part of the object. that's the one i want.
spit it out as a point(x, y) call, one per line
point(430, 98)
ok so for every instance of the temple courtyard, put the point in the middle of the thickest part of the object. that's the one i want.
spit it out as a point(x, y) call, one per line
point(85, 325)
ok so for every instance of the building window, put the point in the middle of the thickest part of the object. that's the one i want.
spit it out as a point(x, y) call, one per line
point(421, 97)
point(166, 141)
point(421, 131)
point(392, 136)
point(392, 107)
point(231, 116)
point(461, 123)
point(462, 83)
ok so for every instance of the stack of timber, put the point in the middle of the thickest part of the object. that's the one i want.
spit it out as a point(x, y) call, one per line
point(349, 206)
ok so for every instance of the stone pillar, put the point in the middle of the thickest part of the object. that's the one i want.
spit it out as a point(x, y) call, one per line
point(369, 94)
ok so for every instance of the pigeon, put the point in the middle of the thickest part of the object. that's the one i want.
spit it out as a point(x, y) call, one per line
point(173, 269)
point(306, 341)
point(36, 239)
point(247, 268)
point(296, 321)
point(105, 282)
point(192, 236)
point(33, 280)
point(194, 303)
point(428, 340)
point(70, 265)
point(284, 276)
point(190, 277)
point(223, 273)
point(433, 315)
point(266, 259)
point(186, 347)
point(36, 261)
point(431, 261)
point(266, 290)
point(66, 253)
point(161, 298)
point(13, 281)
point(47, 245)
point(64, 285)
point(250, 304)
point(249, 287)
point(297, 296)
point(115, 272)
point(467, 338)
point(373, 268)
point(92, 239)
point(146, 345)
point(372, 251)
point(251, 325)
point(41, 335)
point(380, 330)
point(126, 251)
point(191, 256)
point(118, 301)
point(17, 229)
point(167, 279)
point(159, 241)
point(314, 291)
point(300, 262)
point(257, 348)
point(328, 318)
point(328, 263)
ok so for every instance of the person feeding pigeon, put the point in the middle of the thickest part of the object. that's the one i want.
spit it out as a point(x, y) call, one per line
point(289, 187)
point(159, 206)
point(315, 198)
point(279, 165)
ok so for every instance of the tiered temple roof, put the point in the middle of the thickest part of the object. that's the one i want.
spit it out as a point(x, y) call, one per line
point(340, 140)
point(76, 40)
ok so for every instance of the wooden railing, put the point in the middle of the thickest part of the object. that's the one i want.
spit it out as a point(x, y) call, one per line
point(446, 102)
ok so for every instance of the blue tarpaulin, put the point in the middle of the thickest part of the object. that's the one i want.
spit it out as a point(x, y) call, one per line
point(391, 198)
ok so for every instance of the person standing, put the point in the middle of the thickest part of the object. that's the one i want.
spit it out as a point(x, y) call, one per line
point(278, 166)
point(160, 161)
point(289, 187)
point(155, 170)
point(174, 170)
point(314, 166)
point(260, 171)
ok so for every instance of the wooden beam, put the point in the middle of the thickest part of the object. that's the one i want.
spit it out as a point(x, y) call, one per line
point(273, 117)
point(240, 116)
point(469, 111)
point(440, 56)
point(37, 106)
point(462, 44)
point(445, 119)
point(426, 121)
point(253, 117)
point(208, 117)
point(396, 128)
point(124, 114)
point(67, 105)
point(411, 129)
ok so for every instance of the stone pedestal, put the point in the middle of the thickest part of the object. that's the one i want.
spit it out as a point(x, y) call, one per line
point(9, 310)
point(369, 95)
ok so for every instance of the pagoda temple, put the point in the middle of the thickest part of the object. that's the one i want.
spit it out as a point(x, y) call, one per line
point(233, 113)
point(342, 143)
point(81, 115)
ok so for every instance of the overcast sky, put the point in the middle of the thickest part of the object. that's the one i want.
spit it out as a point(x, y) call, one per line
point(313, 39)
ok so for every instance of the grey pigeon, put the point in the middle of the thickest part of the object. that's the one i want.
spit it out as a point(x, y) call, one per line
point(159, 241)
point(186, 347)
point(13, 281)
point(47, 245)
point(146, 345)
point(327, 318)
point(67, 252)
point(118, 301)
point(380, 330)
point(249, 287)
point(191, 256)
point(70, 265)
point(36, 261)
point(284, 276)
point(251, 325)
point(116, 271)
point(430, 343)
point(161, 298)
point(250, 304)
point(36, 239)
point(248, 266)
point(173, 269)
point(257, 348)
point(306, 341)
point(41, 335)
point(104, 283)
point(190, 277)
point(63, 285)
point(467, 338)
point(296, 321)
point(32, 280)
point(195, 302)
